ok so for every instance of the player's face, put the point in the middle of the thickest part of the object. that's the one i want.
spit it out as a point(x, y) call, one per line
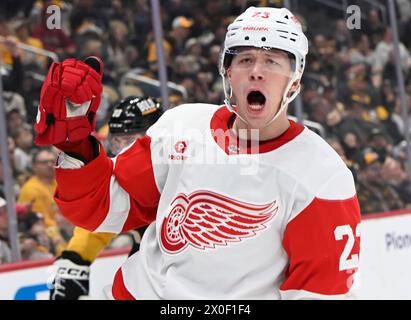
point(259, 78)
point(121, 141)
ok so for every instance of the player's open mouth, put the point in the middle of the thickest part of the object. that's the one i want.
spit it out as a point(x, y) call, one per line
point(256, 101)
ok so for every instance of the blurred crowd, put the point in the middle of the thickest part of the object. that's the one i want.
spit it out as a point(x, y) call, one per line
point(350, 89)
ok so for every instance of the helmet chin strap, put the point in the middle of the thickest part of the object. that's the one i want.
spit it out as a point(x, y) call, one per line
point(284, 101)
point(227, 99)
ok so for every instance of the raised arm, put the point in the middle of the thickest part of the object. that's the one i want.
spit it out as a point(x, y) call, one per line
point(94, 192)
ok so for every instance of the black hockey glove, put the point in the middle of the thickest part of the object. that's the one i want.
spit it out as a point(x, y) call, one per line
point(72, 277)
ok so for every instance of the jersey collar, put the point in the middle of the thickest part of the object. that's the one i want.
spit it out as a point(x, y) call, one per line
point(221, 124)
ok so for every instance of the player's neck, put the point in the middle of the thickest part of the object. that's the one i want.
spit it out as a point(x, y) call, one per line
point(270, 132)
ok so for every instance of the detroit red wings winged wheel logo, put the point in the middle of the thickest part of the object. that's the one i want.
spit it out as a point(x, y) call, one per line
point(205, 220)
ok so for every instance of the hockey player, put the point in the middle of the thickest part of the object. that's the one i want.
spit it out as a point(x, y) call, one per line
point(241, 203)
point(129, 120)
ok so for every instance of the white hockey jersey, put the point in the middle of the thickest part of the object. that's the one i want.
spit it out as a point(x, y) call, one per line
point(228, 220)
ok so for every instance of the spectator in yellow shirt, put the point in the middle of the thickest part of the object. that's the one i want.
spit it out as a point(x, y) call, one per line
point(38, 191)
point(22, 31)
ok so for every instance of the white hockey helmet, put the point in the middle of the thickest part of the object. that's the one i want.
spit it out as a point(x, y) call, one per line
point(267, 28)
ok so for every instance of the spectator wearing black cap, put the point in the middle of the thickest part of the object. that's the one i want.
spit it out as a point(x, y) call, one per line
point(374, 194)
point(380, 143)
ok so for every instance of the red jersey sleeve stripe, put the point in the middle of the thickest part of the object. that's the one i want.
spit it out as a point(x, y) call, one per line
point(313, 250)
point(145, 217)
point(110, 196)
point(134, 172)
point(119, 290)
point(119, 209)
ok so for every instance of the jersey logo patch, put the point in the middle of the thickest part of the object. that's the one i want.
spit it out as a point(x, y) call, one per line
point(205, 220)
point(180, 146)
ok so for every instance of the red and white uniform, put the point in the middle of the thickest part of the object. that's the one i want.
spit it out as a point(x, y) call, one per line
point(224, 223)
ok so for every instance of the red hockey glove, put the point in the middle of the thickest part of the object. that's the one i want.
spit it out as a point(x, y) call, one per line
point(69, 100)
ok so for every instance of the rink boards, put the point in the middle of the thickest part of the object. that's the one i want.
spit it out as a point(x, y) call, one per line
point(385, 264)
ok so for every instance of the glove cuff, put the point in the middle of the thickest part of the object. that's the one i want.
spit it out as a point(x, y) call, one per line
point(85, 150)
point(65, 161)
point(74, 257)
